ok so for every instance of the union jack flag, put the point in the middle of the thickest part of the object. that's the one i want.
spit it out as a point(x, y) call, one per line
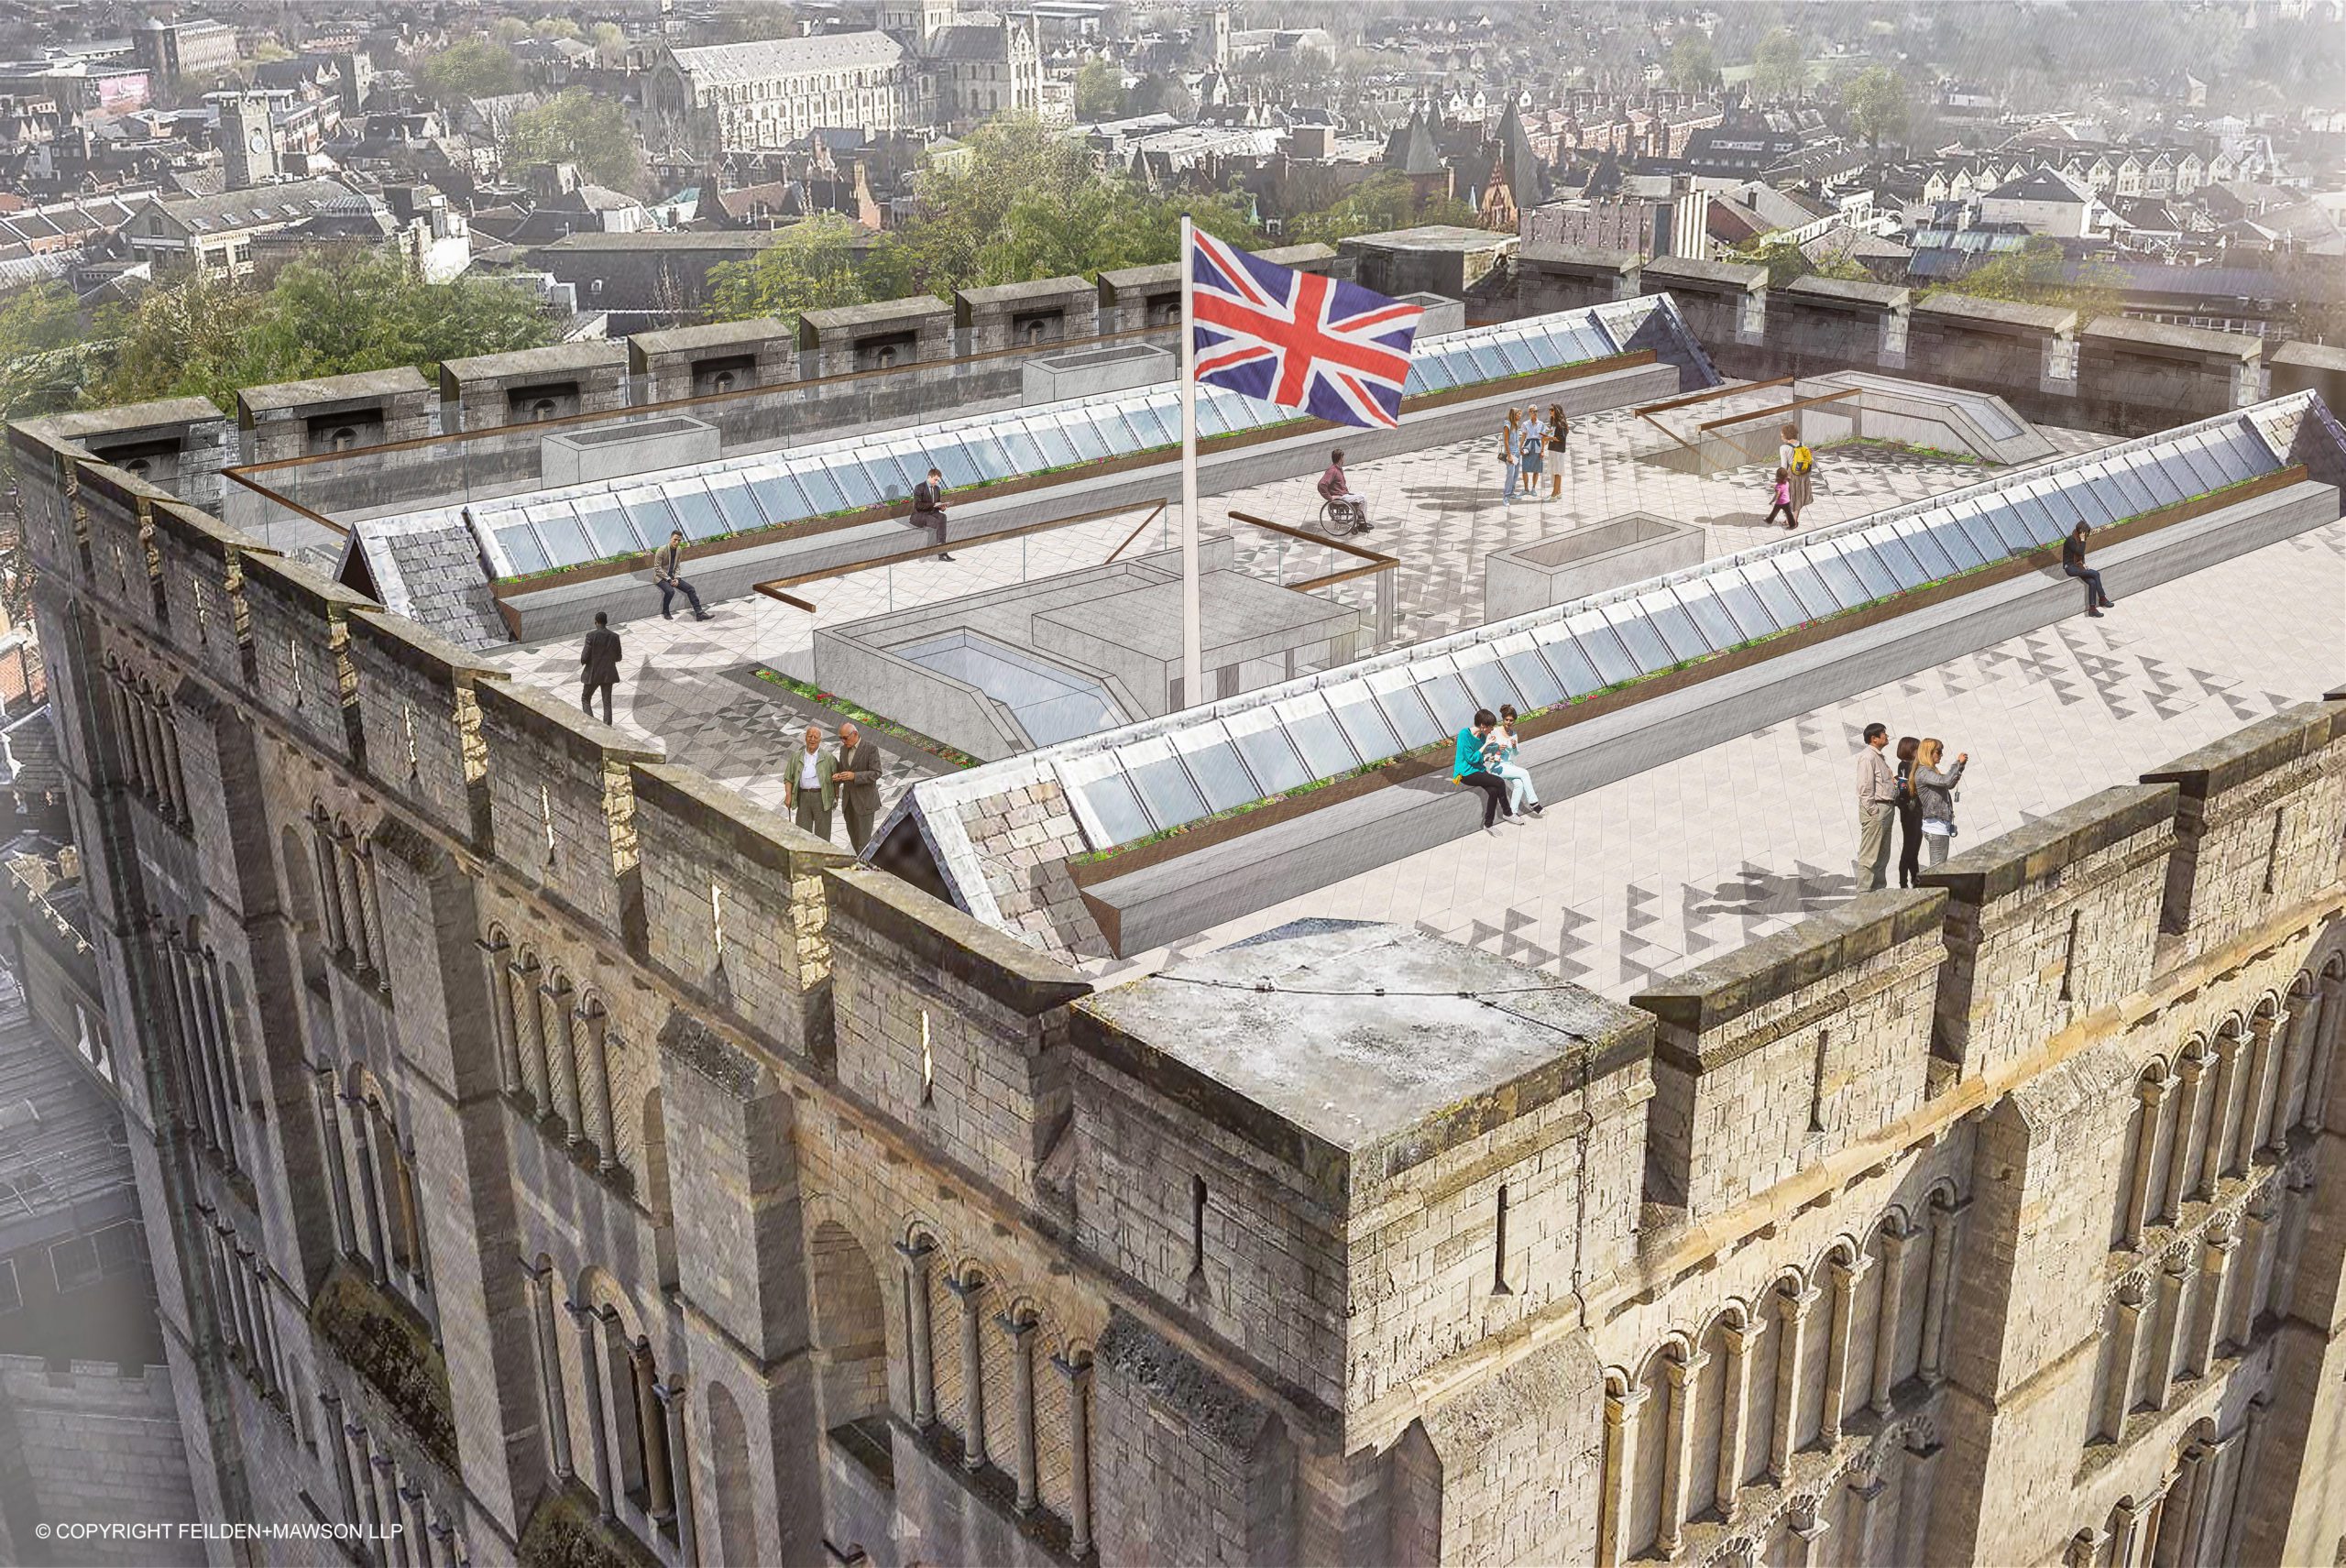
point(1297, 339)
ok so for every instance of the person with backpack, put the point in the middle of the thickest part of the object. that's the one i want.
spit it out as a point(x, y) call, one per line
point(1793, 456)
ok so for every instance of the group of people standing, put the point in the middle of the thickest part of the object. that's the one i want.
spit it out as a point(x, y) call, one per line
point(846, 778)
point(1918, 793)
point(1532, 444)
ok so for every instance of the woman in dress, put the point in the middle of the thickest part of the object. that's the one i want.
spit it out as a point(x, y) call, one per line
point(1788, 447)
point(1935, 793)
point(1559, 427)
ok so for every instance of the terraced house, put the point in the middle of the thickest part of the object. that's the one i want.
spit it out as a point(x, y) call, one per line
point(1181, 1140)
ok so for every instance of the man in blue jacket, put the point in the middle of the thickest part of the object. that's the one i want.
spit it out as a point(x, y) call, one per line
point(1467, 769)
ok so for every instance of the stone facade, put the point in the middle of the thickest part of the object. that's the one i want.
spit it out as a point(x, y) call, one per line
point(547, 1152)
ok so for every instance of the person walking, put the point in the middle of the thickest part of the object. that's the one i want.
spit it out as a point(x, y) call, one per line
point(1466, 768)
point(807, 787)
point(929, 509)
point(1877, 805)
point(1559, 429)
point(857, 775)
point(1935, 791)
point(2073, 564)
point(668, 571)
point(1910, 814)
point(599, 666)
point(1783, 501)
point(1498, 758)
point(1508, 454)
point(1532, 451)
point(1792, 456)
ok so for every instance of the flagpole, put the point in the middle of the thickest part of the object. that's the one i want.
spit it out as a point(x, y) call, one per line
point(1192, 638)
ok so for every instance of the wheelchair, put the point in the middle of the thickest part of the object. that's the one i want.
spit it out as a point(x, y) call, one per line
point(1339, 519)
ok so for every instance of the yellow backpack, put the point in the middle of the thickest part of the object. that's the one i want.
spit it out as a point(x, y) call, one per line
point(1803, 458)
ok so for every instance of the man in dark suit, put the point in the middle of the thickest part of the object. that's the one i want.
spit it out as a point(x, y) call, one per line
point(857, 778)
point(599, 666)
point(929, 509)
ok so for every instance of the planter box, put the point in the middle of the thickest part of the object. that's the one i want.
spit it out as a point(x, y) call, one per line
point(1580, 562)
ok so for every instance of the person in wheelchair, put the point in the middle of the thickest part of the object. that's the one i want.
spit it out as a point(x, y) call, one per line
point(1345, 511)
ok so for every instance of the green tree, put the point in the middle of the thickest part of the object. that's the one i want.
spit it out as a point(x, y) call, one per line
point(1779, 66)
point(1387, 199)
point(1021, 201)
point(45, 361)
point(552, 27)
point(1876, 101)
point(325, 315)
point(1163, 94)
point(610, 42)
point(2039, 273)
point(1099, 91)
point(473, 68)
point(1786, 261)
point(811, 266)
point(1691, 67)
point(506, 31)
point(576, 127)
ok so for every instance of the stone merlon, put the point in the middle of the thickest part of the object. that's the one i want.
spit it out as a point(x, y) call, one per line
point(2035, 850)
point(933, 934)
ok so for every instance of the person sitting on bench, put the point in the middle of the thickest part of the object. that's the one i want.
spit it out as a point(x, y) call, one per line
point(929, 509)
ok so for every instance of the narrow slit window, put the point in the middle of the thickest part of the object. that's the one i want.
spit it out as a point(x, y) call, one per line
point(1499, 1248)
point(928, 1064)
point(1816, 1086)
point(2273, 851)
point(1197, 1225)
point(2069, 958)
point(717, 917)
point(545, 814)
point(407, 724)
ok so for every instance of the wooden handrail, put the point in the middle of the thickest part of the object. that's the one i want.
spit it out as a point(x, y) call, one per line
point(1792, 407)
point(1711, 394)
point(1308, 538)
point(772, 587)
point(1152, 514)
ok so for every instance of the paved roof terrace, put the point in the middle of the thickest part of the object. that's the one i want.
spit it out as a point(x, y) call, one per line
point(694, 685)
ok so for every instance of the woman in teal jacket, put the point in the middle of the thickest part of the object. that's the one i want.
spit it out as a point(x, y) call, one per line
point(1467, 767)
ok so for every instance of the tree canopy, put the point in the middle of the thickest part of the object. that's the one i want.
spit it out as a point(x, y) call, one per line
point(320, 315)
point(1387, 199)
point(1691, 67)
point(1779, 66)
point(1016, 202)
point(1099, 91)
point(472, 67)
point(810, 266)
point(1876, 99)
point(577, 127)
point(2038, 273)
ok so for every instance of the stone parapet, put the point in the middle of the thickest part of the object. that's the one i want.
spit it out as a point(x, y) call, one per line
point(707, 361)
point(1724, 303)
point(1839, 321)
point(2048, 922)
point(2259, 824)
point(1567, 277)
point(1790, 1049)
point(885, 335)
point(1993, 343)
point(532, 385)
point(1025, 315)
point(2136, 375)
point(333, 413)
